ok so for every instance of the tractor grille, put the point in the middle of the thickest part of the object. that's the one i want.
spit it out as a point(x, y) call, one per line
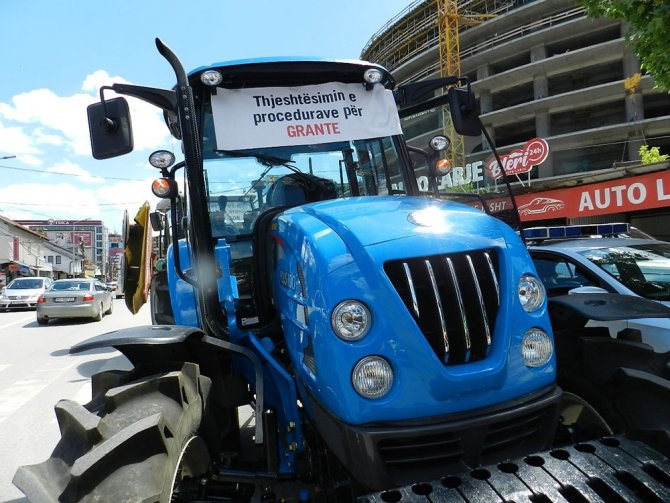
point(454, 300)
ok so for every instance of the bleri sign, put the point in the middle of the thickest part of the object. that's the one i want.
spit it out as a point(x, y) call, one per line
point(521, 160)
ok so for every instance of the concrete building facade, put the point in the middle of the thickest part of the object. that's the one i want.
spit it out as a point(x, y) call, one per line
point(539, 69)
point(543, 69)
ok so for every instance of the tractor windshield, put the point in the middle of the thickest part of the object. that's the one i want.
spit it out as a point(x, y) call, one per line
point(243, 184)
point(277, 155)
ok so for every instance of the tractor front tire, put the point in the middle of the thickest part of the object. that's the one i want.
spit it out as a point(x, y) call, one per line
point(135, 441)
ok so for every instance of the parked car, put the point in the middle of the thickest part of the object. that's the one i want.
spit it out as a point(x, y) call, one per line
point(623, 265)
point(23, 292)
point(75, 298)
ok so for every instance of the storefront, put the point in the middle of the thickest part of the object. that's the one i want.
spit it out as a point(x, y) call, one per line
point(15, 269)
point(637, 194)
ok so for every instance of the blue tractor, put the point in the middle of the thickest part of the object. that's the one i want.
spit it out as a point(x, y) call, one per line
point(327, 325)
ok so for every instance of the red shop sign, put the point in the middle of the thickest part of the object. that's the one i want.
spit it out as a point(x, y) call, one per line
point(636, 193)
point(521, 160)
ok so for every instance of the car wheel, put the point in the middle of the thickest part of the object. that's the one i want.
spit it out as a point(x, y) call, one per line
point(111, 307)
point(42, 321)
point(98, 317)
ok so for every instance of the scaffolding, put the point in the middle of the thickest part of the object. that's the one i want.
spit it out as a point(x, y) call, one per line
point(416, 29)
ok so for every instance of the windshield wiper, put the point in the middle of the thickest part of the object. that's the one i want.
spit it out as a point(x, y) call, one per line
point(264, 159)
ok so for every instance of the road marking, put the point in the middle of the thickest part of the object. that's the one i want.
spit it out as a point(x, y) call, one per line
point(15, 322)
point(24, 390)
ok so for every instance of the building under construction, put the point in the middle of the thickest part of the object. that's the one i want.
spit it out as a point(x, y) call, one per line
point(539, 68)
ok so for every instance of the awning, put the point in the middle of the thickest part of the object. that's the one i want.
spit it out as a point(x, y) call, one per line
point(15, 265)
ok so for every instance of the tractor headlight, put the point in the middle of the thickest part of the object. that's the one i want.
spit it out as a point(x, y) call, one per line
point(350, 320)
point(536, 348)
point(373, 76)
point(531, 293)
point(211, 77)
point(372, 377)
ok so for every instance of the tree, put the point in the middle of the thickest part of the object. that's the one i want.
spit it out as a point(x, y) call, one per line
point(649, 21)
point(652, 155)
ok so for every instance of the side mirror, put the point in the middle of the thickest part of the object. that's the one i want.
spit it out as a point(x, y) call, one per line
point(156, 220)
point(110, 128)
point(463, 114)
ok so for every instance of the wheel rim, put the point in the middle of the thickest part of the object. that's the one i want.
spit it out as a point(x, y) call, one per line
point(580, 421)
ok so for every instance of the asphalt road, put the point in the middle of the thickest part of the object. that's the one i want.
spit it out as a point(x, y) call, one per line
point(36, 371)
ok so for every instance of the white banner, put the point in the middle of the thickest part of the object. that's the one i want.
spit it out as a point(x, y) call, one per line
point(324, 113)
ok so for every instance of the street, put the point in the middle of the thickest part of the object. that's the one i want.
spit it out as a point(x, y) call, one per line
point(36, 371)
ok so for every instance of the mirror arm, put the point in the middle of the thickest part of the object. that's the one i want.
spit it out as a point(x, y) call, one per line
point(411, 93)
point(517, 217)
point(161, 98)
point(110, 124)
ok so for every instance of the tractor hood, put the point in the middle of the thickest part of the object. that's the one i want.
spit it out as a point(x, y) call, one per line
point(371, 221)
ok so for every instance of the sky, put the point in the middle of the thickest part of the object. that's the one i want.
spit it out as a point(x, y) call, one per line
point(55, 55)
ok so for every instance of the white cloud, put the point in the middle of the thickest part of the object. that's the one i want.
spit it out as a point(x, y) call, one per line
point(74, 169)
point(15, 141)
point(67, 201)
point(40, 116)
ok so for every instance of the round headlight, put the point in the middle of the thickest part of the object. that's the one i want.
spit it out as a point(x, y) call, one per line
point(161, 159)
point(537, 348)
point(372, 377)
point(211, 77)
point(373, 76)
point(439, 143)
point(531, 293)
point(350, 320)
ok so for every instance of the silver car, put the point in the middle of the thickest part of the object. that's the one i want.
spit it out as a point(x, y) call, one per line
point(23, 292)
point(623, 265)
point(74, 298)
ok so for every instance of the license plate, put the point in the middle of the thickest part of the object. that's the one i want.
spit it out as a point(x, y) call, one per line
point(64, 299)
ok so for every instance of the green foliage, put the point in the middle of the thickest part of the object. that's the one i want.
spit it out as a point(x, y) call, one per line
point(649, 21)
point(651, 155)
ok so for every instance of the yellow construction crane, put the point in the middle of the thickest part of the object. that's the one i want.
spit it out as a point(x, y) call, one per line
point(449, 20)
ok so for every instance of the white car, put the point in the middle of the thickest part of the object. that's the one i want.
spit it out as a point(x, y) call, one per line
point(23, 292)
point(622, 265)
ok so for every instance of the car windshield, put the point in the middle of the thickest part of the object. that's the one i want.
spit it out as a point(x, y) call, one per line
point(26, 284)
point(644, 268)
point(70, 285)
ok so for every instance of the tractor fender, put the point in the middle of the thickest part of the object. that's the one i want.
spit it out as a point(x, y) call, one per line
point(142, 335)
point(167, 346)
point(152, 344)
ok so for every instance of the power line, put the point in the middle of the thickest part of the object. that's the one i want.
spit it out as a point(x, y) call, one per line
point(68, 205)
point(74, 174)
